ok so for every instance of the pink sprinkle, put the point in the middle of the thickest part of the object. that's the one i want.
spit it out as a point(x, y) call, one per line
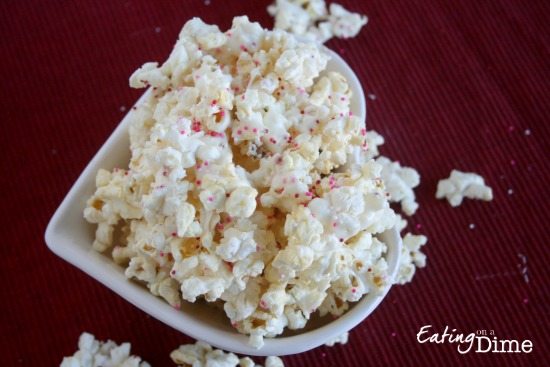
point(239, 132)
point(243, 48)
point(342, 98)
point(198, 182)
point(177, 306)
point(206, 163)
point(323, 354)
point(353, 290)
point(254, 130)
point(363, 132)
point(342, 51)
point(173, 272)
point(161, 254)
point(393, 334)
point(174, 234)
point(210, 198)
point(350, 113)
point(182, 132)
point(246, 127)
point(513, 162)
point(263, 304)
point(196, 126)
point(334, 224)
point(511, 128)
point(309, 193)
point(214, 102)
point(418, 226)
point(525, 301)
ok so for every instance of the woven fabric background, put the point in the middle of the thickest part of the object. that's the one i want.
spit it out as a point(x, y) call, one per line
point(458, 84)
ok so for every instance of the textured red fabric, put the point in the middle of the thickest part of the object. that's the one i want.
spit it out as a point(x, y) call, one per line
point(458, 84)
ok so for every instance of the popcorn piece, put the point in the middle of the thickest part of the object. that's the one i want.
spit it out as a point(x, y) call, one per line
point(340, 339)
point(411, 257)
point(310, 19)
point(201, 354)
point(462, 184)
point(94, 353)
point(399, 183)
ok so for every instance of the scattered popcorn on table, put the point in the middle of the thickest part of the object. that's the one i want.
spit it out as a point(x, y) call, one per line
point(94, 353)
point(341, 339)
point(201, 354)
point(310, 19)
point(462, 185)
point(249, 183)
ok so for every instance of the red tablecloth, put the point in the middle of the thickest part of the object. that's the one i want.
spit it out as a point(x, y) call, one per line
point(458, 84)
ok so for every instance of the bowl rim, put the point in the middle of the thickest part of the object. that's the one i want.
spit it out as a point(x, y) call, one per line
point(60, 242)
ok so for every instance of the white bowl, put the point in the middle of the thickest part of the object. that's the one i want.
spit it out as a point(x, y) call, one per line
point(69, 236)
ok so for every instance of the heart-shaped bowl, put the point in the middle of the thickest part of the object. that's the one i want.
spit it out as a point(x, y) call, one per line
point(70, 237)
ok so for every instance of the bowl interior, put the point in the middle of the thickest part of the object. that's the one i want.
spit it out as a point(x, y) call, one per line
point(69, 236)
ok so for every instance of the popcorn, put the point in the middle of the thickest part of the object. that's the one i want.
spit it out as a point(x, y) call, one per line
point(94, 353)
point(340, 339)
point(462, 184)
point(251, 183)
point(411, 257)
point(399, 183)
point(201, 354)
point(310, 20)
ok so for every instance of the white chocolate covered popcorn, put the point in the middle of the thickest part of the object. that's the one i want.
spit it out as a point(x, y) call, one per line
point(462, 185)
point(411, 257)
point(201, 354)
point(94, 353)
point(310, 19)
point(250, 183)
point(340, 339)
point(400, 182)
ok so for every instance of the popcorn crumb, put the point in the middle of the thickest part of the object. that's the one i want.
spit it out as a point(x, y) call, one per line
point(460, 185)
point(94, 353)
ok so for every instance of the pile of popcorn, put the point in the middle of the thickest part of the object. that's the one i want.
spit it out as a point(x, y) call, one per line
point(311, 20)
point(95, 353)
point(250, 183)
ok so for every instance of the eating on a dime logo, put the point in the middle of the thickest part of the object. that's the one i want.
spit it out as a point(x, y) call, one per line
point(481, 341)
